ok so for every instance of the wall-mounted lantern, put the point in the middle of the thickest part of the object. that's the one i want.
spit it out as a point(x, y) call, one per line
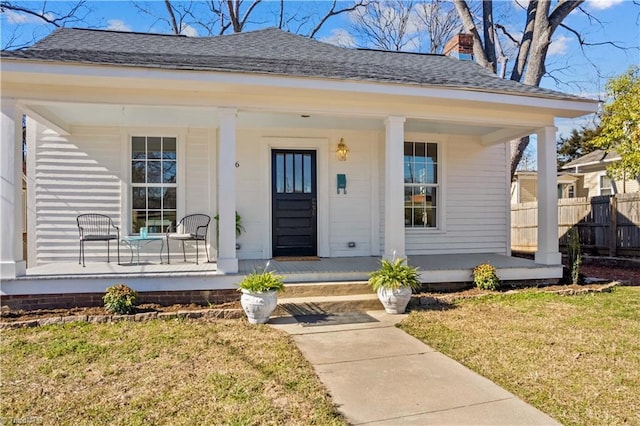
point(342, 151)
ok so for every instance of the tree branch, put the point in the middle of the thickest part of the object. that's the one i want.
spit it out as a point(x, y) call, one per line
point(507, 34)
point(334, 12)
point(561, 11)
point(583, 43)
point(172, 17)
point(248, 13)
point(44, 15)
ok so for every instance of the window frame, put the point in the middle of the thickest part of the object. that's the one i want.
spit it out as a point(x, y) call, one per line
point(602, 176)
point(568, 188)
point(130, 185)
point(438, 185)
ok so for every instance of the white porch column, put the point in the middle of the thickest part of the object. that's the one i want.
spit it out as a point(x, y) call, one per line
point(548, 249)
point(394, 187)
point(12, 263)
point(227, 261)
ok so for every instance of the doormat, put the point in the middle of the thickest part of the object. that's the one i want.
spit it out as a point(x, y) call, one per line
point(337, 318)
point(296, 258)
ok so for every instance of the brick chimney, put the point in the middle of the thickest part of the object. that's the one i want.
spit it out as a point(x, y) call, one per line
point(460, 47)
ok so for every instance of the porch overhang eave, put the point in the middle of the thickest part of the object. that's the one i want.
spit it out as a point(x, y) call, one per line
point(99, 75)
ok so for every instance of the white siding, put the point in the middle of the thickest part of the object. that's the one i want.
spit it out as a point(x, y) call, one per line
point(473, 197)
point(74, 174)
point(342, 218)
point(253, 188)
point(198, 173)
point(196, 190)
point(84, 173)
point(350, 214)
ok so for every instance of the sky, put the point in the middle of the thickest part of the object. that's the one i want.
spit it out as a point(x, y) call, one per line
point(576, 71)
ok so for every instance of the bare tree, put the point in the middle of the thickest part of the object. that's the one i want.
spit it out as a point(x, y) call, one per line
point(401, 25)
point(49, 14)
point(440, 22)
point(387, 25)
point(217, 17)
point(542, 20)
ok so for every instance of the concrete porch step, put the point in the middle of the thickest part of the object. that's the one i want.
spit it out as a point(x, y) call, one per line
point(327, 297)
point(328, 304)
point(331, 288)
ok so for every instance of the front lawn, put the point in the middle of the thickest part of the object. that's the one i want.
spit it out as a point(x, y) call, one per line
point(577, 358)
point(159, 372)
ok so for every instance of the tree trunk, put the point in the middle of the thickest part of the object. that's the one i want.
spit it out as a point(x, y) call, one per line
point(234, 10)
point(518, 146)
point(469, 25)
point(489, 43)
point(525, 43)
point(172, 17)
point(539, 46)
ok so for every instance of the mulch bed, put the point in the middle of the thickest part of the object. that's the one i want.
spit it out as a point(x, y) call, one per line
point(626, 276)
point(99, 311)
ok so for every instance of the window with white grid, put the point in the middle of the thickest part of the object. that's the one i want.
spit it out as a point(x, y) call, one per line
point(421, 184)
point(153, 183)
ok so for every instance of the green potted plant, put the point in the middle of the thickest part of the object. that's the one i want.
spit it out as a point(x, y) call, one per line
point(260, 295)
point(394, 282)
point(239, 227)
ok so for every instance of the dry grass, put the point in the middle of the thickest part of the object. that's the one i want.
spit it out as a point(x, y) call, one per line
point(159, 372)
point(576, 358)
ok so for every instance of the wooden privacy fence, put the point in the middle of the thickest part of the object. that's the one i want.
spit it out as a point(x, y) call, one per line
point(606, 225)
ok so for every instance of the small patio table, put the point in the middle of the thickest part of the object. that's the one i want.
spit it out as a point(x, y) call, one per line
point(136, 241)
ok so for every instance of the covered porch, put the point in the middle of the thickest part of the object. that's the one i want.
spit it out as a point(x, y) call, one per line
point(224, 166)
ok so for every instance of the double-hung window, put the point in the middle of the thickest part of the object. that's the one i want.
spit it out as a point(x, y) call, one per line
point(421, 185)
point(153, 183)
point(605, 185)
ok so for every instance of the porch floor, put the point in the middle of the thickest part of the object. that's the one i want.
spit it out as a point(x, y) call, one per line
point(98, 275)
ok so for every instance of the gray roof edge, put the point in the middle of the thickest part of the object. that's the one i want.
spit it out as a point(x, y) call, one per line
point(559, 96)
point(486, 82)
point(591, 159)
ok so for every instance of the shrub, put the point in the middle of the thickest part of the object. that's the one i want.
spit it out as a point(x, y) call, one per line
point(119, 299)
point(485, 277)
point(393, 275)
point(575, 257)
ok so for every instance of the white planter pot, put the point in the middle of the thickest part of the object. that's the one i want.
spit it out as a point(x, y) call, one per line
point(395, 301)
point(258, 306)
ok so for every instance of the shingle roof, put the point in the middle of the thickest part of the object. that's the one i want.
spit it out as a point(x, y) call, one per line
point(270, 51)
point(594, 157)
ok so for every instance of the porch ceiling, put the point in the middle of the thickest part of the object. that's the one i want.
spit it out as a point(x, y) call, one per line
point(66, 115)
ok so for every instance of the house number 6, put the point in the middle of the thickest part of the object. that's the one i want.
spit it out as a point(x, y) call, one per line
point(237, 164)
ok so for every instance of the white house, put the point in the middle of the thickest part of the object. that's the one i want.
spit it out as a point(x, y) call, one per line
point(145, 126)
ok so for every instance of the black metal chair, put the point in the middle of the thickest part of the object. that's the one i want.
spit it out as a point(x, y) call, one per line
point(193, 227)
point(97, 227)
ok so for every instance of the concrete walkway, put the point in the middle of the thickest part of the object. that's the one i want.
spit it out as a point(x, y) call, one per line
point(379, 375)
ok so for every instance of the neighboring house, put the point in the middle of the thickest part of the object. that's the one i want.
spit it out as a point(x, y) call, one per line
point(524, 187)
point(154, 127)
point(592, 168)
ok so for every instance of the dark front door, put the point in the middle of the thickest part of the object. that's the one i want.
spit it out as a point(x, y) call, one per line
point(294, 203)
